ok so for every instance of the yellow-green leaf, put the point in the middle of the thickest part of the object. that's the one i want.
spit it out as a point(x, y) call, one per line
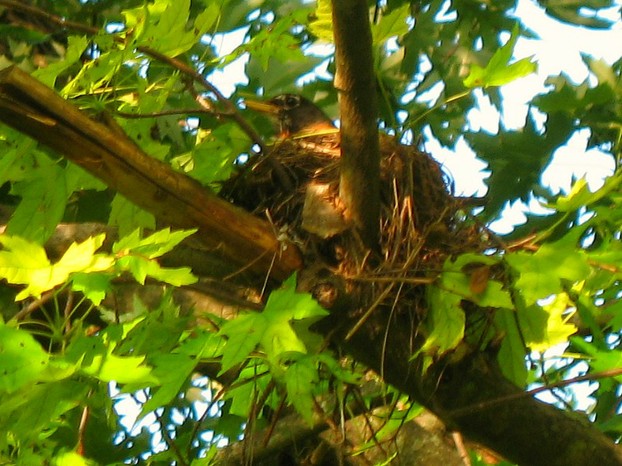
point(499, 70)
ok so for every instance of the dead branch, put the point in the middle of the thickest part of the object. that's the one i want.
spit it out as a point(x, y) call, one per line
point(174, 198)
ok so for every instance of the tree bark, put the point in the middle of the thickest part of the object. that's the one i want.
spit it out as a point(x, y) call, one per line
point(473, 397)
point(359, 186)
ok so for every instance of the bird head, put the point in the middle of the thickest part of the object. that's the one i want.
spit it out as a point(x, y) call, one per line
point(295, 115)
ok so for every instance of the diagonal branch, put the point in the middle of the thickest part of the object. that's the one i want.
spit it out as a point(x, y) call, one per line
point(174, 198)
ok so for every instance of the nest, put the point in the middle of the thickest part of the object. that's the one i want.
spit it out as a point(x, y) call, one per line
point(296, 187)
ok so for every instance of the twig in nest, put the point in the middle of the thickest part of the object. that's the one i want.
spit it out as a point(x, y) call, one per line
point(369, 311)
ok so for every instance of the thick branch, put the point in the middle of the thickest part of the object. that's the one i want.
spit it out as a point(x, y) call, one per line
point(355, 81)
point(174, 198)
point(463, 395)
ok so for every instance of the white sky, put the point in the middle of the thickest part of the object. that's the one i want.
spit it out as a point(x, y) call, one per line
point(557, 50)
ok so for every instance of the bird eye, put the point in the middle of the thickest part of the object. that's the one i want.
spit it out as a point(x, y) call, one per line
point(292, 101)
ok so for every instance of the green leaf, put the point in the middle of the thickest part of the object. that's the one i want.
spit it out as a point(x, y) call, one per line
point(511, 355)
point(95, 74)
point(391, 25)
point(172, 371)
point(579, 13)
point(93, 286)
point(499, 71)
point(300, 378)
point(271, 329)
point(581, 196)
point(243, 335)
point(277, 42)
point(162, 25)
point(212, 157)
point(601, 360)
point(277, 76)
point(286, 303)
point(26, 263)
point(36, 410)
point(517, 158)
point(445, 321)
point(454, 280)
point(75, 48)
point(253, 381)
point(561, 261)
point(124, 370)
point(22, 360)
point(128, 217)
point(44, 196)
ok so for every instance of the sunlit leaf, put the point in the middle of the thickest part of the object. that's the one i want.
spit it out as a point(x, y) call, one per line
point(556, 329)
point(25, 263)
point(322, 23)
point(499, 70)
point(154, 245)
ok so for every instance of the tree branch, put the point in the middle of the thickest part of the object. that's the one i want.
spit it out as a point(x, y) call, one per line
point(360, 152)
point(522, 429)
point(174, 198)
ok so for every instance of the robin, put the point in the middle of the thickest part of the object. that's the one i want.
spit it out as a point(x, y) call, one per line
point(309, 150)
point(297, 116)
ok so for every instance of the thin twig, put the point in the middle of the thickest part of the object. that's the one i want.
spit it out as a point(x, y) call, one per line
point(515, 396)
point(33, 306)
point(190, 111)
point(84, 419)
point(169, 441)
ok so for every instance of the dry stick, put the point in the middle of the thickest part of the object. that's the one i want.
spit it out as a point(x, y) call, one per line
point(169, 440)
point(84, 419)
point(462, 451)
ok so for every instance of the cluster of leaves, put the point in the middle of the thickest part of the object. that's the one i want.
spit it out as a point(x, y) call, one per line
point(430, 56)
